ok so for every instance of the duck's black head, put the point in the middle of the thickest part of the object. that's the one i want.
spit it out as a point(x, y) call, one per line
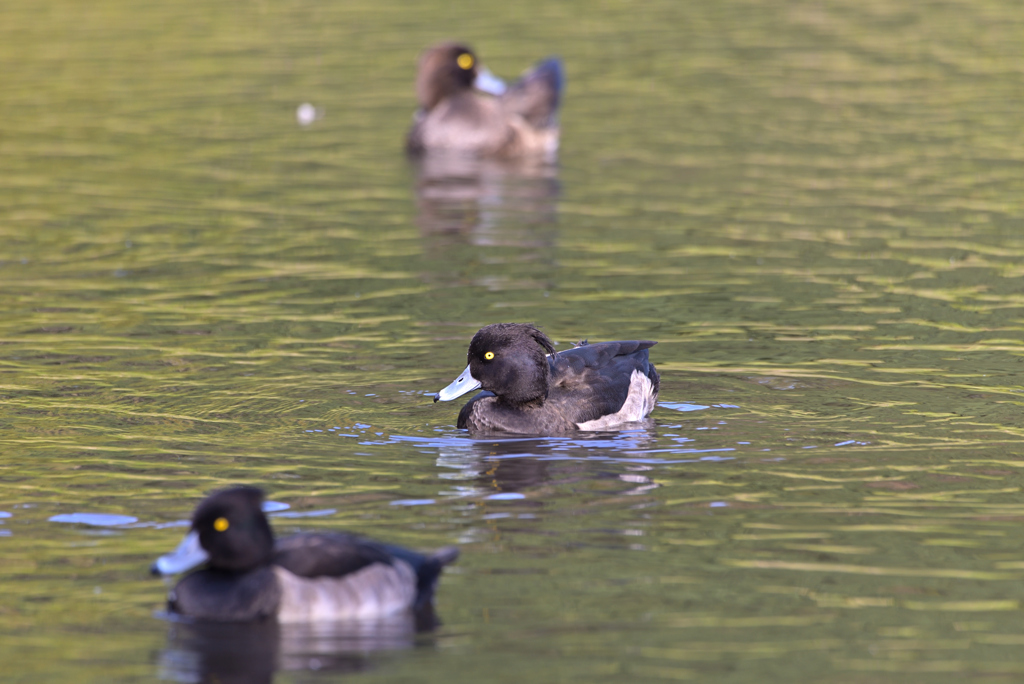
point(509, 359)
point(233, 530)
point(445, 70)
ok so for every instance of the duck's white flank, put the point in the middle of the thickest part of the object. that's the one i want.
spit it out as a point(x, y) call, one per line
point(373, 592)
point(638, 405)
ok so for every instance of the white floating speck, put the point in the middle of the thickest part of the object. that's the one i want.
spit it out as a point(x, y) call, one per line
point(307, 114)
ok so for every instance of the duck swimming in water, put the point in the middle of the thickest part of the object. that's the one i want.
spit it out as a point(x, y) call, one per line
point(532, 389)
point(464, 109)
point(328, 576)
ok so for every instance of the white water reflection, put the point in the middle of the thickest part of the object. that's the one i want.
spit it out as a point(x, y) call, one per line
point(94, 519)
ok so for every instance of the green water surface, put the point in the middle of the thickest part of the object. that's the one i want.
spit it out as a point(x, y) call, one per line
point(814, 206)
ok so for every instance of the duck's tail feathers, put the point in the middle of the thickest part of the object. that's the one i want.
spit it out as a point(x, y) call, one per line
point(444, 555)
point(652, 375)
point(430, 570)
point(537, 95)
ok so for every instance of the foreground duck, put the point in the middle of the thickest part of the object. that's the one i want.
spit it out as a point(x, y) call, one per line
point(464, 109)
point(302, 578)
point(532, 389)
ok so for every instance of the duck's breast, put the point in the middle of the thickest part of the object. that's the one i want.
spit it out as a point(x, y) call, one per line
point(226, 596)
point(465, 123)
point(375, 591)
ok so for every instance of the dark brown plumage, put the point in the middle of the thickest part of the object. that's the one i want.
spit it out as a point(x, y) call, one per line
point(455, 116)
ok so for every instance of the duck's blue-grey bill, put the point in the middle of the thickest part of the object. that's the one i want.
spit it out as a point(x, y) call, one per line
point(488, 82)
point(188, 555)
point(462, 384)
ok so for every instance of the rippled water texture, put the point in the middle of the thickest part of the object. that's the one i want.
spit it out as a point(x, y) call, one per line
point(815, 207)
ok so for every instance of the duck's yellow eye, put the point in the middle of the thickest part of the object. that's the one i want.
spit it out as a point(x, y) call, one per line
point(221, 524)
point(465, 61)
point(489, 355)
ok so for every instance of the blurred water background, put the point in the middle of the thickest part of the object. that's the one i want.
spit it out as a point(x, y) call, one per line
point(814, 206)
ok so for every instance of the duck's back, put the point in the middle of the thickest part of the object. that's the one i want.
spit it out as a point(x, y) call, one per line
point(334, 554)
point(598, 386)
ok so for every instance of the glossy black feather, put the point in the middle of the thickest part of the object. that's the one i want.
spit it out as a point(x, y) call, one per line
point(328, 554)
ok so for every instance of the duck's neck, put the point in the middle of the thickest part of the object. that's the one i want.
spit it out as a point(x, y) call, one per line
point(521, 404)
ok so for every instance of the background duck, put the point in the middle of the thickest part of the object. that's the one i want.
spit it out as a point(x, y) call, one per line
point(302, 578)
point(464, 109)
point(532, 389)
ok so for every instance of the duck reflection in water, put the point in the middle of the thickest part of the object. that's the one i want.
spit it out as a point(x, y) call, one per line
point(488, 202)
point(486, 467)
point(252, 652)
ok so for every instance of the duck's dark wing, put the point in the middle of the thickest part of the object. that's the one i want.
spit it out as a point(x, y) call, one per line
point(593, 380)
point(338, 554)
point(537, 95)
point(328, 554)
